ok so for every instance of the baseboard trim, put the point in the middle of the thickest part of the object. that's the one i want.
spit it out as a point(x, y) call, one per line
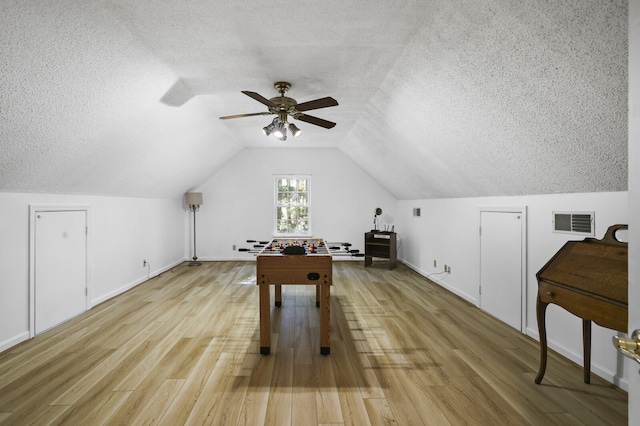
point(9, 343)
point(135, 283)
point(440, 282)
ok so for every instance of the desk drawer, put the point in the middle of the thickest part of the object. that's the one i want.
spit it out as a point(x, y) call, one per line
point(602, 312)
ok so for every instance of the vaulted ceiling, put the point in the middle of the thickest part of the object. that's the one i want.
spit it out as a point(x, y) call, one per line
point(448, 98)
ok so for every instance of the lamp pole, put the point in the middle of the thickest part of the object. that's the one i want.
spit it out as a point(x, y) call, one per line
point(195, 262)
point(193, 200)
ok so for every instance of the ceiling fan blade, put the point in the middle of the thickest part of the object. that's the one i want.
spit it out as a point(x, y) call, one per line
point(316, 104)
point(258, 97)
point(228, 117)
point(315, 120)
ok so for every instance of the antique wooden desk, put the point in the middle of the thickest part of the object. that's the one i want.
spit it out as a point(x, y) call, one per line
point(588, 278)
point(311, 265)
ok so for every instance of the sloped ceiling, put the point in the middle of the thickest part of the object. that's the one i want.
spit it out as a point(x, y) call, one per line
point(454, 98)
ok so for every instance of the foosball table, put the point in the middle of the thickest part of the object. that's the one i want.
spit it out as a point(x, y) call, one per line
point(294, 261)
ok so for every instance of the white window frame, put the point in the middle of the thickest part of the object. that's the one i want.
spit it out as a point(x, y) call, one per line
point(276, 204)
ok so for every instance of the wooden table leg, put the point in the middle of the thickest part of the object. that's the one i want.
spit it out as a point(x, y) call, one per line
point(325, 315)
point(541, 309)
point(278, 295)
point(265, 320)
point(586, 349)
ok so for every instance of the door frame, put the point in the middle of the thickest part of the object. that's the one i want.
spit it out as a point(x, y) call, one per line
point(522, 210)
point(34, 209)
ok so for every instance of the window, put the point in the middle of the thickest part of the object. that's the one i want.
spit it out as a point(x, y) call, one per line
point(292, 205)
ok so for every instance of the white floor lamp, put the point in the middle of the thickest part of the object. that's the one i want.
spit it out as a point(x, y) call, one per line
point(194, 200)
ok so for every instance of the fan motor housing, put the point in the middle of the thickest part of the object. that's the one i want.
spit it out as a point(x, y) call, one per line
point(284, 101)
point(284, 104)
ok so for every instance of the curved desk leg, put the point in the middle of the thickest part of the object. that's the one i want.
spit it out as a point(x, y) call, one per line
point(541, 310)
point(586, 350)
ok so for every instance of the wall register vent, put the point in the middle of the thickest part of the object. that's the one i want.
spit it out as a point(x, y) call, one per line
point(579, 223)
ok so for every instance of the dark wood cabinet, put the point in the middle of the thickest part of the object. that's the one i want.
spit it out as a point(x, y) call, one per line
point(382, 245)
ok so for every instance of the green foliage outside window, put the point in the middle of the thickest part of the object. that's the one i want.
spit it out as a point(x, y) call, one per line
point(292, 205)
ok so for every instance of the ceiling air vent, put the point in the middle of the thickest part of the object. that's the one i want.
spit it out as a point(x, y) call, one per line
point(580, 223)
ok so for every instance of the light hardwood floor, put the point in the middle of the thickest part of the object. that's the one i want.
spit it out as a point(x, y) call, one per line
point(183, 348)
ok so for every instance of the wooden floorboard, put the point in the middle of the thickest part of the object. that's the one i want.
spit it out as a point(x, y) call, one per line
point(183, 348)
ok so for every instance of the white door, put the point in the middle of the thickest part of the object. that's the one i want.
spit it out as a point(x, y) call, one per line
point(633, 376)
point(501, 265)
point(59, 267)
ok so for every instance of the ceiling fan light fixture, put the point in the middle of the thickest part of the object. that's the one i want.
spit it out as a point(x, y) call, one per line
point(270, 128)
point(295, 131)
point(280, 131)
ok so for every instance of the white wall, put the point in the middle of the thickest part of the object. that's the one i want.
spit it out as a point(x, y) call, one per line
point(122, 232)
point(634, 197)
point(448, 232)
point(239, 200)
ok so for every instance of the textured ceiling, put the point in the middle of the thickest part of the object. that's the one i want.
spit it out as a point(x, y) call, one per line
point(452, 98)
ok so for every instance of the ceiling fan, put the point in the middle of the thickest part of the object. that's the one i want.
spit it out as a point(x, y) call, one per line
point(284, 107)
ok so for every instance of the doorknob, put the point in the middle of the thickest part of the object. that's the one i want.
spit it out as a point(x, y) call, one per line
point(629, 347)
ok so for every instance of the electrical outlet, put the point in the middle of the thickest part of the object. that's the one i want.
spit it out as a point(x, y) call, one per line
point(449, 269)
point(234, 247)
point(144, 263)
point(435, 264)
point(446, 268)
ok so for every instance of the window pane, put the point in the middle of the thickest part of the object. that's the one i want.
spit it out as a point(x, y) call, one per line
point(282, 213)
point(283, 199)
point(292, 212)
point(303, 215)
point(301, 225)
